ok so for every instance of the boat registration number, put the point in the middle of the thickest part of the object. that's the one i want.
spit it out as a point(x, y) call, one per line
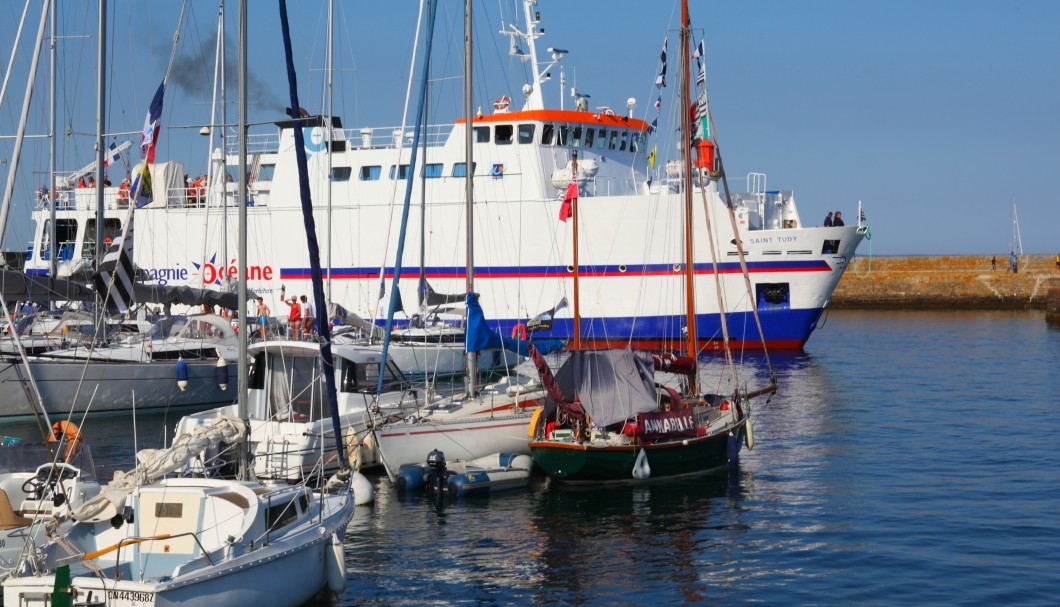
point(133, 598)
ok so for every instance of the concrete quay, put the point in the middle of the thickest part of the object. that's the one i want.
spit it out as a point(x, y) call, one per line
point(966, 282)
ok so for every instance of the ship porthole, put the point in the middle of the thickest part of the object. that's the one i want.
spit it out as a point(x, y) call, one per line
point(622, 268)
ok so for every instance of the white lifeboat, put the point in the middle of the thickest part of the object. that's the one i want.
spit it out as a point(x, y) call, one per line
point(587, 169)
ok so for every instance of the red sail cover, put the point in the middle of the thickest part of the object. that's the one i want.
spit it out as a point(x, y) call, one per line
point(657, 425)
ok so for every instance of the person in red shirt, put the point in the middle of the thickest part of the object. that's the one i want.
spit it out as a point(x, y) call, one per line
point(294, 318)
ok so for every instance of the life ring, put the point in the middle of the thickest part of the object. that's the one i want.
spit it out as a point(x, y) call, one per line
point(68, 431)
point(609, 112)
point(519, 332)
point(502, 103)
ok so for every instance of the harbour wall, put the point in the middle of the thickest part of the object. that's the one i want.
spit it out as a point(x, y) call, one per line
point(949, 282)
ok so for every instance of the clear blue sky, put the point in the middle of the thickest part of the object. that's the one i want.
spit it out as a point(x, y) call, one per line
point(933, 114)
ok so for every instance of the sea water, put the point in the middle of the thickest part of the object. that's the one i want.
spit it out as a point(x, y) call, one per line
point(910, 458)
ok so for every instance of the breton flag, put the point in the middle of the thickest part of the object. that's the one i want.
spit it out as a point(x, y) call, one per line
point(701, 75)
point(700, 121)
point(112, 155)
point(567, 208)
point(660, 80)
point(117, 268)
point(152, 126)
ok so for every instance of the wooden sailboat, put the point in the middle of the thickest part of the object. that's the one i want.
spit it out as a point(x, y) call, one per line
point(607, 419)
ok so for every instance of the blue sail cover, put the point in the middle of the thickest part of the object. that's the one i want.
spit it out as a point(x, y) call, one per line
point(481, 337)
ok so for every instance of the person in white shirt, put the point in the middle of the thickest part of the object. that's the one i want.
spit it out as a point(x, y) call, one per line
point(308, 316)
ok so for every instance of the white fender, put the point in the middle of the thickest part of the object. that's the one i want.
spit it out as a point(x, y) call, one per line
point(641, 469)
point(748, 435)
point(335, 563)
point(363, 491)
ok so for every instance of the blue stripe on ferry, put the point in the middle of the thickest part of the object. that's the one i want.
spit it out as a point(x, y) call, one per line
point(658, 269)
point(36, 272)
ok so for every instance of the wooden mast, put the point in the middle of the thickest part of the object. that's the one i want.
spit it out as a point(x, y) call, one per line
point(692, 344)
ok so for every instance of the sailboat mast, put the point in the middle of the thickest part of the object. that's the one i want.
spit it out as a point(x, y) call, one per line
point(692, 344)
point(576, 330)
point(469, 186)
point(52, 194)
point(101, 99)
point(245, 467)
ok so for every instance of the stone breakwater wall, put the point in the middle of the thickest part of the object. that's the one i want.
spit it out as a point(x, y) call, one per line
point(949, 282)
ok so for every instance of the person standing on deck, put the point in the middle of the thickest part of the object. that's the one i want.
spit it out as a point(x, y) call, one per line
point(294, 318)
point(828, 220)
point(263, 317)
point(308, 316)
point(838, 221)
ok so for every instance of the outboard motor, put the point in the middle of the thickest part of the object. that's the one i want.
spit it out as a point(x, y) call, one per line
point(437, 475)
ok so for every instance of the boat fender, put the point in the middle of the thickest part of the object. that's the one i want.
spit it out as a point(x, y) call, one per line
point(748, 436)
point(182, 374)
point(732, 448)
point(222, 373)
point(519, 332)
point(535, 419)
point(363, 491)
point(335, 562)
point(641, 469)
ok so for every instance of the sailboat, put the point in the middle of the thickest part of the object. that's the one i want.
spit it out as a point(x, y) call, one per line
point(152, 540)
point(609, 418)
point(478, 422)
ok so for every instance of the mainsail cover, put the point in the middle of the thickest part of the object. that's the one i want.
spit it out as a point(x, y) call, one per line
point(611, 385)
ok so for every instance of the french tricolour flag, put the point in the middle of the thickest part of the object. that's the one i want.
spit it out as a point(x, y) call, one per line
point(152, 126)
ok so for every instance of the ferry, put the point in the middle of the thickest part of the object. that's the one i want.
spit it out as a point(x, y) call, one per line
point(629, 209)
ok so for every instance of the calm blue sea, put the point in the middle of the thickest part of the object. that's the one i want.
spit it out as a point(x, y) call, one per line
point(911, 458)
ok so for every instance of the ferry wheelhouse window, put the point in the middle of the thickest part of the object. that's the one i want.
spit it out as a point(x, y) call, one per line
point(371, 173)
point(613, 142)
point(265, 172)
point(401, 170)
point(590, 134)
point(460, 169)
point(526, 133)
point(576, 139)
point(622, 142)
point(634, 142)
point(504, 134)
point(601, 139)
point(432, 170)
point(482, 134)
point(564, 135)
point(548, 130)
point(341, 173)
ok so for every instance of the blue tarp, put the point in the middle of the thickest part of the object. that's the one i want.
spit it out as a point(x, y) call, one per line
point(480, 337)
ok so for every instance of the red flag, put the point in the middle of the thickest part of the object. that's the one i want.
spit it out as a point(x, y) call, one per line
point(567, 208)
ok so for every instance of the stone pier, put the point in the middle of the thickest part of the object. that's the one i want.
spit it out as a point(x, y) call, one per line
point(948, 282)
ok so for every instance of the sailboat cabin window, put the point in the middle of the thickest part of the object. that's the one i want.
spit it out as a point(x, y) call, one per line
point(265, 172)
point(482, 134)
point(504, 134)
point(432, 170)
point(526, 133)
point(460, 169)
point(341, 173)
point(547, 132)
point(364, 377)
point(371, 173)
point(401, 170)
